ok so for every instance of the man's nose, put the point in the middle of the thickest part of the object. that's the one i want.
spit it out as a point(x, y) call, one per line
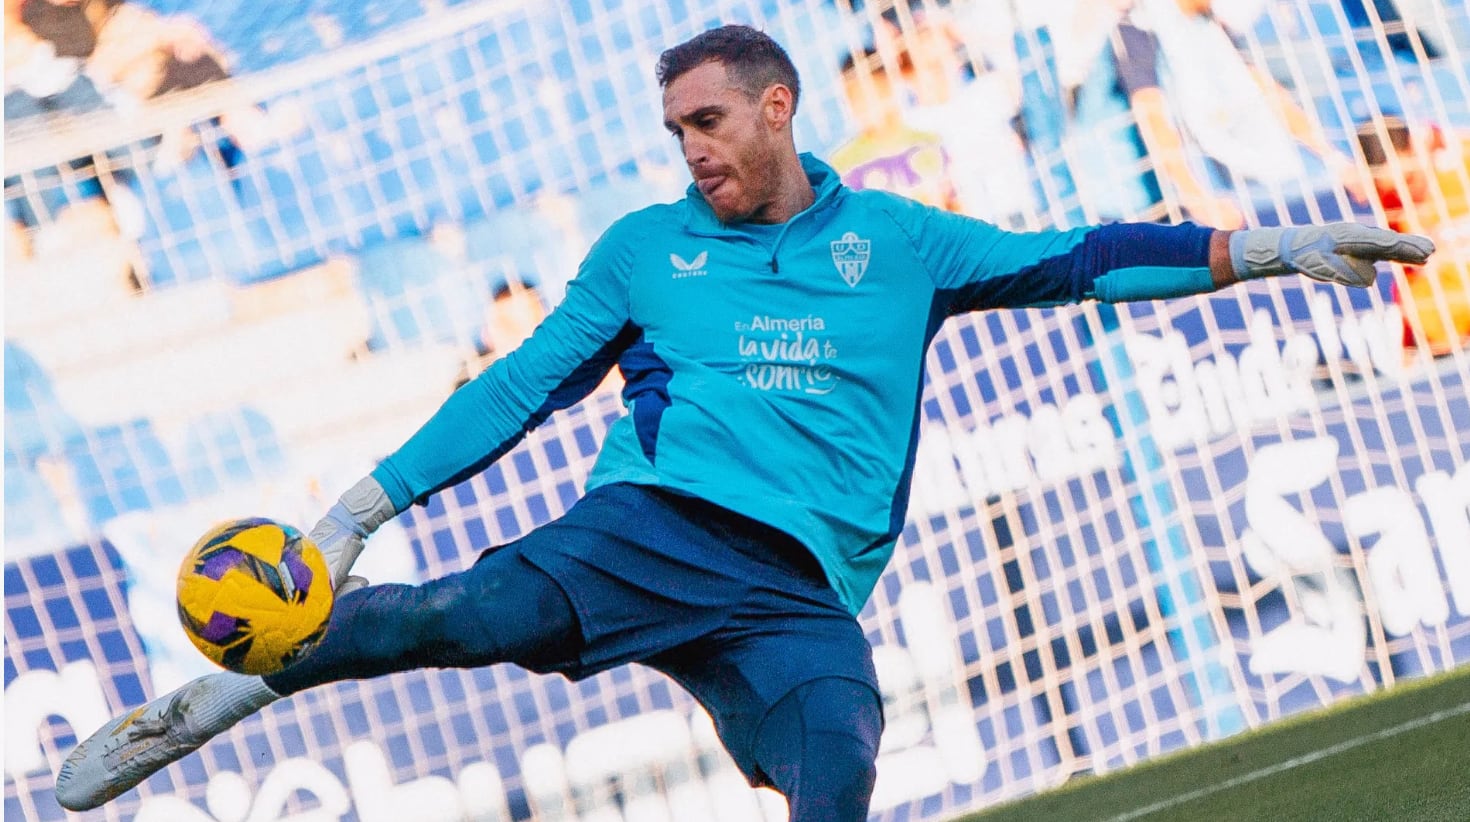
point(696, 150)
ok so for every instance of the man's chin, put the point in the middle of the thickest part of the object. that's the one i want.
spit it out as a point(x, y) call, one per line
point(729, 215)
point(727, 204)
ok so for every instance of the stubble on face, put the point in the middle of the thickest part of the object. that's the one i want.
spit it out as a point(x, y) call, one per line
point(727, 145)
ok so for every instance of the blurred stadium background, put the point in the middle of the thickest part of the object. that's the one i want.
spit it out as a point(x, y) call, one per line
point(251, 246)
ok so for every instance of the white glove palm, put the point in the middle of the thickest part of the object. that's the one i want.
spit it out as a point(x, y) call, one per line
point(1342, 253)
point(340, 534)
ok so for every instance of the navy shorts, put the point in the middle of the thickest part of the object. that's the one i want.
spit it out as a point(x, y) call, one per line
point(735, 611)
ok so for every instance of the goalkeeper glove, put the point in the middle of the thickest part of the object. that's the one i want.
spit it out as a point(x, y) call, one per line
point(1341, 253)
point(340, 534)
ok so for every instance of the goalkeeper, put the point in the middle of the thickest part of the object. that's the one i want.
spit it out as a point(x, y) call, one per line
point(771, 329)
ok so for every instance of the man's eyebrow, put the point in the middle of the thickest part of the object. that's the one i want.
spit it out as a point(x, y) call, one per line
point(713, 108)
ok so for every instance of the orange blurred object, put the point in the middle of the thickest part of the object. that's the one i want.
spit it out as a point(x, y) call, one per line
point(1423, 182)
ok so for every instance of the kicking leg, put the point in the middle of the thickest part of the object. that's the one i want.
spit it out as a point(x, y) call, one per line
point(134, 746)
point(501, 610)
point(818, 746)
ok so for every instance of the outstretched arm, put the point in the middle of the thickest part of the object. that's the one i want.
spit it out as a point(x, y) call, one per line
point(563, 360)
point(976, 266)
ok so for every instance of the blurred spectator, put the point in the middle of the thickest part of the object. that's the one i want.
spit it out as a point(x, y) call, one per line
point(74, 264)
point(887, 153)
point(142, 55)
point(19, 253)
point(433, 290)
point(68, 50)
point(1422, 179)
point(78, 55)
point(46, 44)
point(961, 81)
point(512, 313)
point(1076, 114)
point(1184, 75)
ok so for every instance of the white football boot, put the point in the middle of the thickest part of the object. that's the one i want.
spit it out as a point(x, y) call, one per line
point(134, 746)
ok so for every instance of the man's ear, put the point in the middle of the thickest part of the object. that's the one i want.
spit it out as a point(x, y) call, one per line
point(778, 106)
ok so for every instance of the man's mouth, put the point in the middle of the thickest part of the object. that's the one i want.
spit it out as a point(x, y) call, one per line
point(707, 185)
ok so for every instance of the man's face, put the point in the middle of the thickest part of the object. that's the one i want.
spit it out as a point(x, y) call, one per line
point(731, 142)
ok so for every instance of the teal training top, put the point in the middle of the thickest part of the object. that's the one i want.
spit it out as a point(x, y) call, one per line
point(776, 371)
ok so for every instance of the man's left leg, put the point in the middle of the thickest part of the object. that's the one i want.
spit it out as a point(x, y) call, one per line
point(818, 747)
point(795, 699)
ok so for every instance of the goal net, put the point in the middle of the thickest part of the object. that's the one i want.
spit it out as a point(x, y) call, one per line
point(1133, 529)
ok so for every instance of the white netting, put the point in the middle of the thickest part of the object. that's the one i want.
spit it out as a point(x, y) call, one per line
point(1131, 530)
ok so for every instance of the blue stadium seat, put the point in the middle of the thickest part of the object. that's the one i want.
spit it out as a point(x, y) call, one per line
point(192, 222)
point(426, 74)
point(316, 187)
point(368, 18)
point(275, 214)
point(411, 297)
point(121, 468)
point(456, 58)
point(228, 448)
point(562, 66)
point(35, 421)
point(520, 31)
point(40, 196)
point(515, 242)
point(18, 206)
point(31, 511)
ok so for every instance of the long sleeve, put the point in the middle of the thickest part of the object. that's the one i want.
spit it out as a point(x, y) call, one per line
point(562, 361)
point(978, 266)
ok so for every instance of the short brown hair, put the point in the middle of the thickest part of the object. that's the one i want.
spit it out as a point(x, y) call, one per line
point(753, 59)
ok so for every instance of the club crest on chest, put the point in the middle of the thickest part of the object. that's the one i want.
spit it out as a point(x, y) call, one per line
point(850, 254)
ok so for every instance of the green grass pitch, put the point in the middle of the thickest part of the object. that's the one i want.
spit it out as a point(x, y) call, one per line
point(1401, 755)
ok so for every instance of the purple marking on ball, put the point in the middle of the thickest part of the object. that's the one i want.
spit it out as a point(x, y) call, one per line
point(217, 564)
point(219, 628)
point(300, 572)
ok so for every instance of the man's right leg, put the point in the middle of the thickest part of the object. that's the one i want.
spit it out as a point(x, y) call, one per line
point(503, 609)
